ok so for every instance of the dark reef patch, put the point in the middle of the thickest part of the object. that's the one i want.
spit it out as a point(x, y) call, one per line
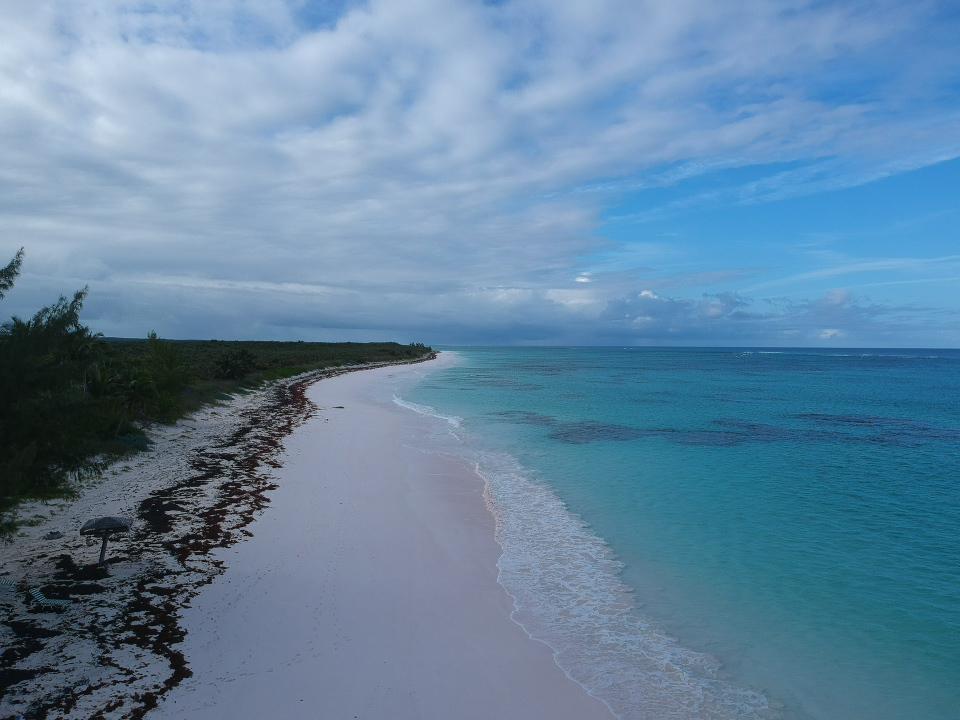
point(525, 417)
point(723, 433)
point(588, 431)
point(878, 430)
point(542, 368)
point(505, 383)
point(731, 432)
point(729, 435)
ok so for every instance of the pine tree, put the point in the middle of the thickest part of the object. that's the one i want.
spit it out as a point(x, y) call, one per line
point(9, 274)
point(48, 426)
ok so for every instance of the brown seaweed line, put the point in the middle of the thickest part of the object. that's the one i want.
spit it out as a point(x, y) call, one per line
point(159, 597)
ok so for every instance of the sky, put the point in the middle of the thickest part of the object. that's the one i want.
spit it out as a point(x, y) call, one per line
point(692, 172)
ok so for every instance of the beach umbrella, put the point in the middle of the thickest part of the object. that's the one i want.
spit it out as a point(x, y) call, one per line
point(103, 528)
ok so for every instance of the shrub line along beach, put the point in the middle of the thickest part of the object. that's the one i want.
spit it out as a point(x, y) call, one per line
point(115, 649)
point(73, 400)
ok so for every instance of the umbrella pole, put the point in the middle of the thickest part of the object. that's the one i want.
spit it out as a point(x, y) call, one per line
point(103, 550)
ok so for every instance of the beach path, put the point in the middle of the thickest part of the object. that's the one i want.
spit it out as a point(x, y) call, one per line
point(368, 588)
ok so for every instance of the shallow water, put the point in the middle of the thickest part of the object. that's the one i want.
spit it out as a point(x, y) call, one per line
point(727, 533)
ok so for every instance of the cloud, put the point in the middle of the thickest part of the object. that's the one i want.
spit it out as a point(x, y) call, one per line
point(420, 167)
point(946, 263)
point(730, 319)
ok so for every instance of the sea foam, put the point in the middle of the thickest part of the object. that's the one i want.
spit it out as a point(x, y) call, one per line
point(567, 593)
point(451, 420)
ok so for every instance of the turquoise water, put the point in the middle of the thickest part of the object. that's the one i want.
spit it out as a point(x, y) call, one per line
point(727, 533)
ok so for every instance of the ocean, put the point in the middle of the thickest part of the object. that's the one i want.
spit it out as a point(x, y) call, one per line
point(725, 533)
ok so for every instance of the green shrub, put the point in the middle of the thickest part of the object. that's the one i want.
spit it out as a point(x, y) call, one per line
point(69, 397)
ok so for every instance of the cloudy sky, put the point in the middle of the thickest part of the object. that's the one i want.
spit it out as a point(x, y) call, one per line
point(536, 171)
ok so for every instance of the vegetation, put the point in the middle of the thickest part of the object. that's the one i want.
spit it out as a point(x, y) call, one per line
point(71, 399)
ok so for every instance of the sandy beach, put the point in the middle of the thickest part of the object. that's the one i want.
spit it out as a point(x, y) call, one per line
point(304, 550)
point(368, 589)
point(113, 649)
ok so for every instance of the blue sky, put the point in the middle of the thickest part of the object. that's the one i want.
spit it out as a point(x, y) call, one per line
point(530, 171)
point(894, 239)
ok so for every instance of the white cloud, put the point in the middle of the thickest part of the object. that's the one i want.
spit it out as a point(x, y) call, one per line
point(405, 165)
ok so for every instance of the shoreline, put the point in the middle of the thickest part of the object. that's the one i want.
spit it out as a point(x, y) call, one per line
point(567, 590)
point(114, 650)
point(371, 588)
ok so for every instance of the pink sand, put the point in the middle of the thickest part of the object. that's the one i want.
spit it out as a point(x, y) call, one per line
point(369, 588)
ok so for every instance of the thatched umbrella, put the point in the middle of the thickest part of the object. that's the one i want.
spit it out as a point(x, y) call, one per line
point(103, 528)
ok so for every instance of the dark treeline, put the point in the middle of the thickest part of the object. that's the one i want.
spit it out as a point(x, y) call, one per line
point(71, 399)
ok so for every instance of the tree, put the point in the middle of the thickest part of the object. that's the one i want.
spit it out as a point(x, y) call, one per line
point(235, 365)
point(9, 274)
point(167, 373)
point(48, 427)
